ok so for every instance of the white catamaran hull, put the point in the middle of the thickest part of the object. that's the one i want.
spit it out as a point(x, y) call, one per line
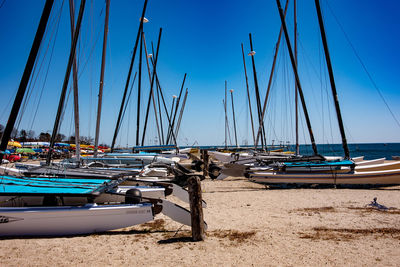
point(68, 220)
point(356, 178)
point(116, 195)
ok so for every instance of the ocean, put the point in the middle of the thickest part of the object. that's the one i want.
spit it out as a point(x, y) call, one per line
point(368, 150)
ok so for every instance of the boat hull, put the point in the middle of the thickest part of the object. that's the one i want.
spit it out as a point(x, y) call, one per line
point(69, 220)
point(386, 177)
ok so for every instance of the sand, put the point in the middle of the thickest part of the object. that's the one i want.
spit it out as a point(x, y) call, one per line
point(247, 225)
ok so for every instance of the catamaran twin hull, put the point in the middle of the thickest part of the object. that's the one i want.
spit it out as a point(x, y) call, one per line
point(386, 177)
point(70, 220)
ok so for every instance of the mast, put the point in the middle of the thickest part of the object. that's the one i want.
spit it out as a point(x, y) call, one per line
point(314, 146)
point(172, 110)
point(103, 63)
point(163, 101)
point(159, 112)
point(271, 75)
point(178, 125)
point(234, 120)
point(296, 97)
point(248, 97)
point(151, 87)
point(129, 76)
point(25, 76)
point(332, 81)
point(139, 87)
point(260, 121)
point(226, 118)
point(75, 84)
point(176, 109)
point(165, 107)
point(66, 80)
point(154, 102)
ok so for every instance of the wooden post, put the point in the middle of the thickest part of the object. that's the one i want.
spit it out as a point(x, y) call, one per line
point(196, 209)
point(204, 155)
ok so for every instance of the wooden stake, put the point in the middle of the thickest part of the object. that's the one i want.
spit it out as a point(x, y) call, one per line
point(204, 154)
point(196, 209)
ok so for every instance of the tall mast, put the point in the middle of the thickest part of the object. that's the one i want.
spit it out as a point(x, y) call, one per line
point(165, 107)
point(296, 97)
point(226, 118)
point(234, 120)
point(103, 64)
point(25, 76)
point(75, 83)
point(139, 87)
point(314, 146)
point(271, 75)
point(151, 86)
point(172, 111)
point(332, 81)
point(260, 120)
point(176, 108)
point(66, 80)
point(178, 125)
point(248, 96)
point(160, 114)
point(129, 76)
point(154, 101)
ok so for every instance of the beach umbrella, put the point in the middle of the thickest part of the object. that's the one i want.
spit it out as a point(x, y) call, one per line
point(14, 143)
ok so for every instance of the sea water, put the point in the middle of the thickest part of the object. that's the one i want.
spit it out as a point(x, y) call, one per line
point(368, 150)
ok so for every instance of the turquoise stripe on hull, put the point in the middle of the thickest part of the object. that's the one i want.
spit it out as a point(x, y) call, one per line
point(57, 186)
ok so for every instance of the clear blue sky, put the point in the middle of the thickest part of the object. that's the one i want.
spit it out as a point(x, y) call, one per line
point(202, 39)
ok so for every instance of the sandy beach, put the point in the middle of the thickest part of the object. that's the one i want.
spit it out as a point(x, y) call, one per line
point(247, 225)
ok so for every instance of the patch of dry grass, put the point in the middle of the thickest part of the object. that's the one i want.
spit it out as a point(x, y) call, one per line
point(346, 234)
point(233, 235)
point(320, 209)
point(372, 210)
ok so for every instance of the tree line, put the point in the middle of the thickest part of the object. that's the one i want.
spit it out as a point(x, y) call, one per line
point(30, 136)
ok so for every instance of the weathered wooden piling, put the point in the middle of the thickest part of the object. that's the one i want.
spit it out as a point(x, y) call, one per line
point(205, 157)
point(196, 209)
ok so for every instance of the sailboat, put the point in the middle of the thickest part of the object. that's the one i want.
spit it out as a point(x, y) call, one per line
point(283, 169)
point(339, 171)
point(51, 216)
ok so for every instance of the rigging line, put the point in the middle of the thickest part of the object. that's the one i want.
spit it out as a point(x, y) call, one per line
point(328, 97)
point(65, 108)
point(288, 107)
point(90, 53)
point(308, 75)
point(128, 119)
point(127, 101)
point(271, 103)
point(35, 75)
point(321, 71)
point(363, 65)
point(32, 83)
point(48, 67)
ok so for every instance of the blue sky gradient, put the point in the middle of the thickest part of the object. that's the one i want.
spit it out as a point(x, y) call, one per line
point(202, 39)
